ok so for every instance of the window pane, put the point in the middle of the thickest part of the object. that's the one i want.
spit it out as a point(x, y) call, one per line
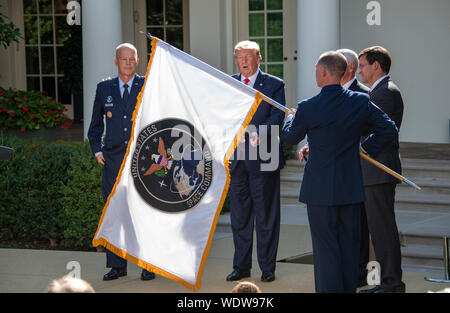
point(48, 58)
point(256, 24)
point(59, 59)
point(275, 50)
point(62, 29)
point(29, 7)
point(175, 36)
point(48, 84)
point(276, 70)
point(155, 12)
point(46, 23)
point(60, 6)
point(262, 47)
point(157, 32)
point(45, 7)
point(274, 24)
point(32, 56)
point(63, 96)
point(254, 5)
point(174, 12)
point(33, 83)
point(274, 4)
point(31, 32)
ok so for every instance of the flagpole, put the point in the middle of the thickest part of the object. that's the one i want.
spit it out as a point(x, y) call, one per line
point(361, 153)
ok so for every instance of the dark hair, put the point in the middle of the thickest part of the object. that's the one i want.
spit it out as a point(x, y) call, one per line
point(379, 54)
point(334, 62)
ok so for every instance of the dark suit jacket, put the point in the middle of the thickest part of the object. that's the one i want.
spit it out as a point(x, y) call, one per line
point(387, 97)
point(334, 121)
point(357, 86)
point(267, 115)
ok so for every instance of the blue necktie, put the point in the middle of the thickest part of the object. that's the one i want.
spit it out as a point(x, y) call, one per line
point(125, 94)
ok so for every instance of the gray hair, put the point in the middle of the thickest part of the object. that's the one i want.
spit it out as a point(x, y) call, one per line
point(127, 46)
point(351, 57)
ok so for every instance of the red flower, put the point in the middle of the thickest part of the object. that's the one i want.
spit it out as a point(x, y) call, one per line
point(12, 114)
point(33, 116)
point(22, 129)
point(25, 109)
point(2, 93)
point(57, 120)
point(45, 115)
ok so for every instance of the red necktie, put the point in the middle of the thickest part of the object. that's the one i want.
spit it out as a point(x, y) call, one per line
point(246, 80)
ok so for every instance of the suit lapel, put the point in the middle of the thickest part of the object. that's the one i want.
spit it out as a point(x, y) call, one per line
point(136, 88)
point(259, 83)
point(382, 83)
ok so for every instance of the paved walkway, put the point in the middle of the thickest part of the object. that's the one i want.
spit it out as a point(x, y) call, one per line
point(23, 270)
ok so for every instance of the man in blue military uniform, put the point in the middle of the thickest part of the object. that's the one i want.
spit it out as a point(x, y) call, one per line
point(116, 99)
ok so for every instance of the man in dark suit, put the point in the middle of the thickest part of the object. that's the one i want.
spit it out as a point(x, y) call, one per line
point(255, 172)
point(115, 101)
point(332, 187)
point(375, 63)
point(350, 82)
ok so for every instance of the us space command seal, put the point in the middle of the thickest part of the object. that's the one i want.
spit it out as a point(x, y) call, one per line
point(171, 165)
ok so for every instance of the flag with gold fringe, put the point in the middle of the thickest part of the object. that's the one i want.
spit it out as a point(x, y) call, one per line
point(164, 206)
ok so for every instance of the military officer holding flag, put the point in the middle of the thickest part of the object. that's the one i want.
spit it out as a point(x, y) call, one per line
point(114, 103)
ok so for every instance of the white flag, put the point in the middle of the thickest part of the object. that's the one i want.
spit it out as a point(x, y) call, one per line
point(163, 209)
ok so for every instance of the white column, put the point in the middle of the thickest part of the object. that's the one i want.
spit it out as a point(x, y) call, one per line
point(318, 31)
point(102, 33)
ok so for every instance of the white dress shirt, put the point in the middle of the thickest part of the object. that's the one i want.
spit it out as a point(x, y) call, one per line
point(349, 83)
point(252, 78)
point(377, 82)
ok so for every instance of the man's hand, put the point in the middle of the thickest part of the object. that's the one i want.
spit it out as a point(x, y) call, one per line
point(289, 112)
point(303, 153)
point(100, 159)
point(254, 141)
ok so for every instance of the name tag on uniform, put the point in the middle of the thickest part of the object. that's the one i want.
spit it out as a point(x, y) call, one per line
point(109, 102)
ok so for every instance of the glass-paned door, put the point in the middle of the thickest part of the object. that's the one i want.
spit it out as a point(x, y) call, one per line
point(266, 28)
point(273, 25)
point(165, 19)
point(46, 31)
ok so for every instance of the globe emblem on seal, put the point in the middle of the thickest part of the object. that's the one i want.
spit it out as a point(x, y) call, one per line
point(171, 165)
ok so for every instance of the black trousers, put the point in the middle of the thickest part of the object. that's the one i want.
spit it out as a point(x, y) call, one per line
point(110, 171)
point(335, 240)
point(381, 224)
point(255, 203)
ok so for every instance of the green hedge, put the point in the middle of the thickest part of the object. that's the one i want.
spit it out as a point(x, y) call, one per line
point(50, 191)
